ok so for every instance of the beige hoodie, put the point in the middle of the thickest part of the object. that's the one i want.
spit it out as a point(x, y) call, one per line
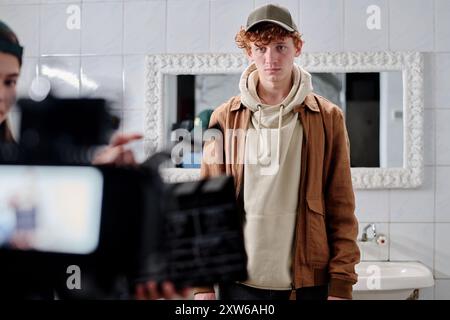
point(271, 180)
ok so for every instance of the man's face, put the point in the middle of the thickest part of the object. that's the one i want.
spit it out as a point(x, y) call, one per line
point(9, 72)
point(275, 60)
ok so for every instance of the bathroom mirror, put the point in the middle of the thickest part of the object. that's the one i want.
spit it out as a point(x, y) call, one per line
point(380, 94)
point(371, 102)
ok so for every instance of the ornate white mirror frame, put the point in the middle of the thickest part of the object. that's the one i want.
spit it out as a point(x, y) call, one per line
point(409, 63)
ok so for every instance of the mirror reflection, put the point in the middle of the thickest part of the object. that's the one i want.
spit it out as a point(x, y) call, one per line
point(371, 101)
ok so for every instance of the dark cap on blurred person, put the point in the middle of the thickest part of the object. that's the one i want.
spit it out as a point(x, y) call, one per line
point(9, 42)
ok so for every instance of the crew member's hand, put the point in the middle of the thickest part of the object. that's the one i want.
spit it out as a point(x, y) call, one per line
point(205, 296)
point(115, 152)
point(150, 291)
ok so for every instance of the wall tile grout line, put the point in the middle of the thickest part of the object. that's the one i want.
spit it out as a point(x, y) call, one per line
point(388, 12)
point(39, 69)
point(434, 136)
point(123, 62)
point(80, 73)
point(165, 24)
point(434, 26)
point(210, 26)
point(343, 47)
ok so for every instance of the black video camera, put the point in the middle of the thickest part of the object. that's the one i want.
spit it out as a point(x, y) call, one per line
point(113, 223)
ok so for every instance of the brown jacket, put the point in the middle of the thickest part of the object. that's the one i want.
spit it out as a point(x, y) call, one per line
point(325, 249)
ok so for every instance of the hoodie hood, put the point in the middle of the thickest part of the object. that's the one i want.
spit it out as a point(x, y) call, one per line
point(302, 86)
point(273, 116)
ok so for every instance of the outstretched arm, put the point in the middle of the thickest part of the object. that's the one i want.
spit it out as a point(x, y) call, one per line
point(116, 152)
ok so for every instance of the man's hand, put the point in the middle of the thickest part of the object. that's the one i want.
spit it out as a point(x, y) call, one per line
point(150, 291)
point(115, 152)
point(336, 298)
point(205, 296)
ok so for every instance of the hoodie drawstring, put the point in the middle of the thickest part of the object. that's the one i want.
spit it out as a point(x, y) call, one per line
point(258, 129)
point(280, 118)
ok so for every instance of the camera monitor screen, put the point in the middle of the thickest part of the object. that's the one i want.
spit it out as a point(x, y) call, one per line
point(50, 208)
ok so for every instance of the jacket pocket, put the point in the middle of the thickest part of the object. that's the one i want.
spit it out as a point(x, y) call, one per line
point(318, 249)
point(316, 205)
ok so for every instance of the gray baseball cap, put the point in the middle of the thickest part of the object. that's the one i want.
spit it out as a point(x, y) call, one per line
point(271, 13)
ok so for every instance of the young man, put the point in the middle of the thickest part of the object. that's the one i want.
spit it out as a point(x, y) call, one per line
point(294, 182)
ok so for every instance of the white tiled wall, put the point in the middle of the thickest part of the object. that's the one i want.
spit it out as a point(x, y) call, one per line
point(411, 25)
point(430, 137)
point(64, 74)
point(188, 26)
point(321, 23)
point(442, 290)
point(106, 57)
point(441, 80)
point(102, 28)
point(228, 17)
point(101, 76)
point(134, 86)
point(373, 206)
point(412, 241)
point(442, 194)
point(141, 20)
point(357, 37)
point(414, 205)
point(442, 134)
point(53, 16)
point(442, 254)
point(442, 26)
point(27, 74)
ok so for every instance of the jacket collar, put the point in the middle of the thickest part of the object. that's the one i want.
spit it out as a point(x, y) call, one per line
point(309, 102)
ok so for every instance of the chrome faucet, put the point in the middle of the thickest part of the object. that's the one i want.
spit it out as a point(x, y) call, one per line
point(365, 237)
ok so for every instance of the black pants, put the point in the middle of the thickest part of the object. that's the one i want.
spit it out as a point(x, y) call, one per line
point(236, 291)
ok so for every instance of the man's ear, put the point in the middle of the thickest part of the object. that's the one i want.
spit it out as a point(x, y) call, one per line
point(248, 53)
point(298, 50)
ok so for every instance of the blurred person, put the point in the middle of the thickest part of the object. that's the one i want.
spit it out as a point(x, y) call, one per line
point(116, 153)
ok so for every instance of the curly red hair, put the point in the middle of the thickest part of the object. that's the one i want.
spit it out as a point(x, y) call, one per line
point(265, 33)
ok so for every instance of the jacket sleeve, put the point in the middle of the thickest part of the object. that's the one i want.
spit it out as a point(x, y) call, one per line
point(212, 165)
point(342, 225)
point(213, 150)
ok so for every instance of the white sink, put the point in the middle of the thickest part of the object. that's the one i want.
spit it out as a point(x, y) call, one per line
point(388, 280)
